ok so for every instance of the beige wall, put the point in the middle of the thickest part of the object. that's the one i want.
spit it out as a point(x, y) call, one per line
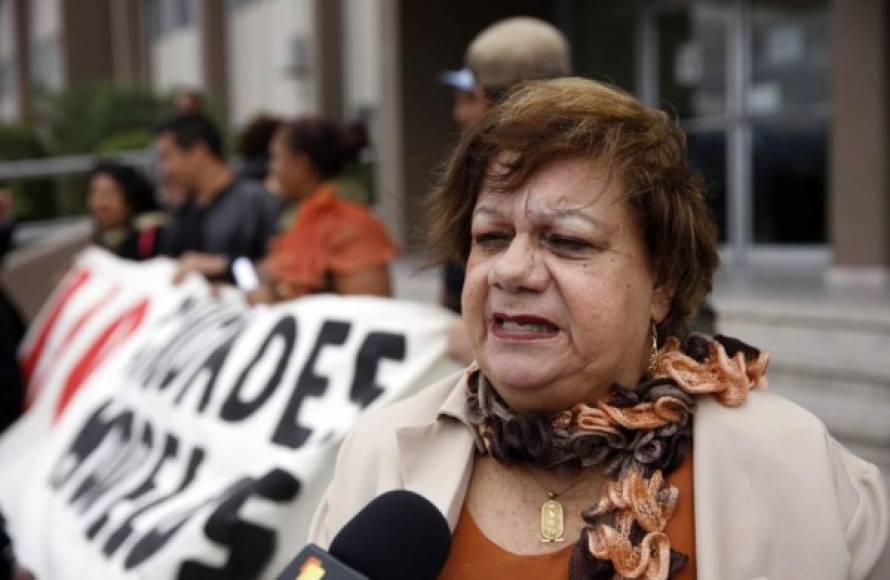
point(361, 55)
point(47, 44)
point(8, 104)
point(176, 60)
point(262, 76)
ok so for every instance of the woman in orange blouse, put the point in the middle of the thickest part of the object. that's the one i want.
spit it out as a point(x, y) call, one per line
point(331, 245)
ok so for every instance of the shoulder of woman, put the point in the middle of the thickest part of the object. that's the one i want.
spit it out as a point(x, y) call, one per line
point(417, 409)
point(792, 468)
point(367, 463)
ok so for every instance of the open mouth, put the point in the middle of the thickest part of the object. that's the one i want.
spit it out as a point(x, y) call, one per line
point(522, 326)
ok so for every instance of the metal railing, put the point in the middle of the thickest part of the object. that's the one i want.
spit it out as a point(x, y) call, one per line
point(68, 164)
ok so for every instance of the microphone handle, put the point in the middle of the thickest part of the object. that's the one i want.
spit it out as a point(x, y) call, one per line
point(313, 563)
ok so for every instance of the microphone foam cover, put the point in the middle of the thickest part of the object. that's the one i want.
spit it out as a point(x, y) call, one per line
point(400, 535)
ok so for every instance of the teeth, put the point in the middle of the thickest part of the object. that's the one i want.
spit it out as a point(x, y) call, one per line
point(529, 327)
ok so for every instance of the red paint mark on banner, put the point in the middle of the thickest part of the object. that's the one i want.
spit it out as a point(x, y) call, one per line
point(36, 383)
point(114, 335)
point(78, 278)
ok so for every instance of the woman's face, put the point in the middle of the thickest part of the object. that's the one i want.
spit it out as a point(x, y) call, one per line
point(107, 203)
point(559, 293)
point(288, 169)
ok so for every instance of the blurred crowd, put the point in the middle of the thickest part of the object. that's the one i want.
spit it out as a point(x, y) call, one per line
point(287, 220)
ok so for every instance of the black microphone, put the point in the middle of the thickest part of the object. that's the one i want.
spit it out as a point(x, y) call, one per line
point(400, 535)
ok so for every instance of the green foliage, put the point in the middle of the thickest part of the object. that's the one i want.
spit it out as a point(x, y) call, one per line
point(19, 142)
point(127, 141)
point(34, 198)
point(79, 120)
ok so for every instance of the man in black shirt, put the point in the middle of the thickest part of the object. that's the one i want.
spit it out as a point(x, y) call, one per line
point(222, 218)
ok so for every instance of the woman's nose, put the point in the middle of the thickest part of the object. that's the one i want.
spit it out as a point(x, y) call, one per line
point(519, 267)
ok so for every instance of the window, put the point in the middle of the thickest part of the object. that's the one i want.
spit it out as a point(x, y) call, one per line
point(748, 80)
point(167, 16)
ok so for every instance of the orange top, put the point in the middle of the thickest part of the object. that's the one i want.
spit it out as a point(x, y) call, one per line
point(474, 557)
point(330, 236)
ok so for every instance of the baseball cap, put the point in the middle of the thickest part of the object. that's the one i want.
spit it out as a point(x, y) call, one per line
point(518, 49)
point(461, 80)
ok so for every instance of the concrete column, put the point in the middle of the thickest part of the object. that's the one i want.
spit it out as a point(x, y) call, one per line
point(859, 191)
point(214, 52)
point(127, 41)
point(86, 41)
point(21, 27)
point(390, 172)
point(329, 57)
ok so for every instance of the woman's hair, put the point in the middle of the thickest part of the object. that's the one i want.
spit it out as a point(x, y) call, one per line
point(137, 190)
point(254, 139)
point(327, 144)
point(544, 121)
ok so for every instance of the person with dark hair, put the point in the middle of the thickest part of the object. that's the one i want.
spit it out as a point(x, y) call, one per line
point(332, 245)
point(253, 147)
point(12, 329)
point(223, 218)
point(593, 438)
point(188, 101)
point(127, 218)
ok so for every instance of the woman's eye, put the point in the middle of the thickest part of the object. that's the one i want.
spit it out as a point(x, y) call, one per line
point(490, 238)
point(567, 244)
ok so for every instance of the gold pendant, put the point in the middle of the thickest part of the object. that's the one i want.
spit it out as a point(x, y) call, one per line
point(552, 522)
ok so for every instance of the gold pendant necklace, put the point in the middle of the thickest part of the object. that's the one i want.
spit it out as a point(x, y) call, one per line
point(553, 522)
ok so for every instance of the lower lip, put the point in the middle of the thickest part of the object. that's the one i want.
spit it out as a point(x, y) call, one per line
point(519, 335)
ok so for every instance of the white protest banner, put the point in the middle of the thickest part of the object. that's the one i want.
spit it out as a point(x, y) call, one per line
point(175, 435)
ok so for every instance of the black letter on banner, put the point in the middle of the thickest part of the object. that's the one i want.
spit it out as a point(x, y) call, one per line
point(154, 540)
point(376, 346)
point(235, 409)
point(171, 446)
point(250, 546)
point(90, 437)
point(214, 364)
point(235, 322)
point(111, 471)
point(288, 432)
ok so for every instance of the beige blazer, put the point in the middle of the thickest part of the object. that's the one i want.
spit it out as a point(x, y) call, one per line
point(775, 496)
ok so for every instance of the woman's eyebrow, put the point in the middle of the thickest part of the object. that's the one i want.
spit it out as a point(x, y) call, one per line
point(485, 210)
point(572, 214)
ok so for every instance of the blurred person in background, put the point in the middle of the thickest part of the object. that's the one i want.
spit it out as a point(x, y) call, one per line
point(7, 218)
point(188, 102)
point(331, 244)
point(12, 329)
point(223, 218)
point(12, 326)
point(253, 146)
point(501, 56)
point(127, 219)
point(353, 183)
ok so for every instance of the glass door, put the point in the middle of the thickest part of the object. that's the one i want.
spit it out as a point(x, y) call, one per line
point(747, 80)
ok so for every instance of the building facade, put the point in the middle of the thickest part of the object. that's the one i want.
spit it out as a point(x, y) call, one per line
point(785, 102)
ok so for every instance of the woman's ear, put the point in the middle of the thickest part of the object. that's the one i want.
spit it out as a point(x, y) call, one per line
point(662, 296)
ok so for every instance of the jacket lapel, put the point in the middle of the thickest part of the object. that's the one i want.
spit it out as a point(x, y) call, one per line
point(436, 457)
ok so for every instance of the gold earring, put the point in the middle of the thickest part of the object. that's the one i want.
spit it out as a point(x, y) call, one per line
point(653, 354)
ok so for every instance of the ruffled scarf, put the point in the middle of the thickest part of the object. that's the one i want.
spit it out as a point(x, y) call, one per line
point(637, 436)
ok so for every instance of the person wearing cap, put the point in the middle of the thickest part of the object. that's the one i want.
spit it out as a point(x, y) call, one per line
point(501, 56)
point(506, 53)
